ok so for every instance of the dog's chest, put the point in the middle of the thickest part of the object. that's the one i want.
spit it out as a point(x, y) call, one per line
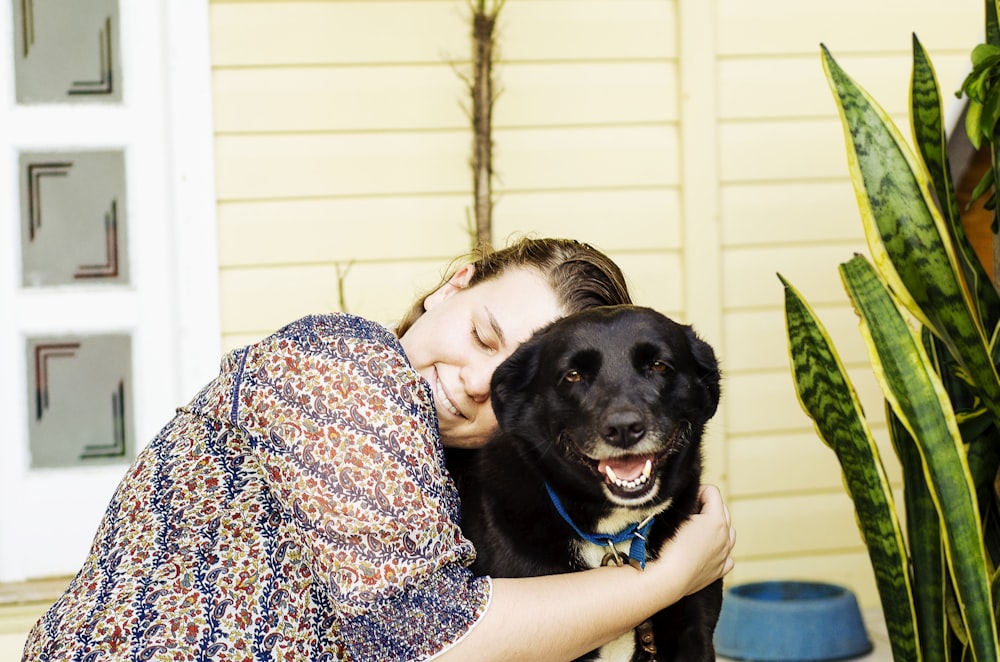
point(590, 555)
point(594, 556)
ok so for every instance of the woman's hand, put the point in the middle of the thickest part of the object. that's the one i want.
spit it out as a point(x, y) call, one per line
point(702, 550)
point(560, 617)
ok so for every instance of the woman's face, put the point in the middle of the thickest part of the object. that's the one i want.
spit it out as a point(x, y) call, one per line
point(464, 334)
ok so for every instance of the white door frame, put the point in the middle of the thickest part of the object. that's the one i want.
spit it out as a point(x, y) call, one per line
point(164, 126)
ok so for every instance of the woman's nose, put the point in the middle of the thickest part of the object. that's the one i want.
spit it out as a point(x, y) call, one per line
point(477, 377)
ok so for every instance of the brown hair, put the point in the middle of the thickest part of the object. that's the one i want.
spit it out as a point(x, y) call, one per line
point(580, 275)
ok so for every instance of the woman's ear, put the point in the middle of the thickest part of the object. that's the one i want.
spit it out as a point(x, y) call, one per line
point(458, 281)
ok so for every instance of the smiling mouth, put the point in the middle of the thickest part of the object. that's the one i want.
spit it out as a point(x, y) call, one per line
point(445, 402)
point(628, 475)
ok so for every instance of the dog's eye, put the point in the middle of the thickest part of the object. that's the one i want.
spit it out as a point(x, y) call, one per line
point(658, 366)
point(572, 376)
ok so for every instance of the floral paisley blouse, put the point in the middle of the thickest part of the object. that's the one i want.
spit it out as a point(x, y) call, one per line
point(297, 509)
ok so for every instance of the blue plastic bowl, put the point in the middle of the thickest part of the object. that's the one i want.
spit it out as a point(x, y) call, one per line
point(790, 621)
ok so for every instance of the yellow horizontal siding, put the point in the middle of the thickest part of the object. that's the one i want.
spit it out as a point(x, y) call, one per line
point(590, 30)
point(805, 523)
point(611, 219)
point(326, 230)
point(586, 93)
point(789, 213)
point(582, 158)
point(434, 96)
point(796, 86)
point(655, 278)
point(790, 27)
point(282, 33)
point(849, 568)
point(328, 98)
point(260, 300)
point(755, 339)
point(317, 165)
point(750, 281)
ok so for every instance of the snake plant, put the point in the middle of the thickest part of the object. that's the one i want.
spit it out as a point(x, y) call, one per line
point(928, 313)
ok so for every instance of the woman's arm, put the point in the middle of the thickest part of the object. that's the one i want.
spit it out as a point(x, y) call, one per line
point(560, 617)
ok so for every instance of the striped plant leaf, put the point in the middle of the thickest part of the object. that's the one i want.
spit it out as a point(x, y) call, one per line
point(932, 144)
point(918, 398)
point(923, 533)
point(829, 398)
point(906, 234)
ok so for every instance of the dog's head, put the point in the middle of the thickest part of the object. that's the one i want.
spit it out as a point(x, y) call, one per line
point(610, 400)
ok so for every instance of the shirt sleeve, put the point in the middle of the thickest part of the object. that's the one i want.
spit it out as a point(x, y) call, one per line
point(346, 435)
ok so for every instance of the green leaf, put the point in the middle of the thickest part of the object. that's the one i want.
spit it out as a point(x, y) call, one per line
point(984, 185)
point(923, 531)
point(992, 26)
point(984, 55)
point(932, 144)
point(913, 389)
point(827, 396)
point(991, 111)
point(906, 234)
point(973, 117)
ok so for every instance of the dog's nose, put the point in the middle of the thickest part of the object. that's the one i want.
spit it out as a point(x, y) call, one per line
point(623, 428)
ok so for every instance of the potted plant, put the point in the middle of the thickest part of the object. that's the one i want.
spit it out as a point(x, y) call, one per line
point(929, 316)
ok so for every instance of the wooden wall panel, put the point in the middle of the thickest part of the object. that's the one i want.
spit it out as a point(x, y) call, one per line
point(789, 213)
point(755, 339)
point(795, 86)
point(843, 567)
point(257, 301)
point(268, 34)
point(433, 96)
point(781, 463)
point(583, 158)
point(792, 462)
point(310, 231)
point(261, 167)
point(791, 150)
point(655, 279)
point(750, 275)
point(297, 99)
point(586, 93)
point(764, 401)
point(587, 30)
point(805, 523)
point(792, 27)
point(609, 219)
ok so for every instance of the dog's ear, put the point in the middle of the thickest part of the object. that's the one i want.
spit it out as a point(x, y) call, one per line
point(709, 375)
point(511, 379)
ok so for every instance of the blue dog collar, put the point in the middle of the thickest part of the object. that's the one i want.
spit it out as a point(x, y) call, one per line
point(637, 532)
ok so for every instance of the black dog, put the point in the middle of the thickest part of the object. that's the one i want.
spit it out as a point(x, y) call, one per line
point(601, 416)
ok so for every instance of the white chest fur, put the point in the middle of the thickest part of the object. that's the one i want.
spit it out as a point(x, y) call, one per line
point(621, 649)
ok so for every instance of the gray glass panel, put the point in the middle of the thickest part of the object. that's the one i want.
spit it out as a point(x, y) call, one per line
point(80, 400)
point(67, 51)
point(74, 228)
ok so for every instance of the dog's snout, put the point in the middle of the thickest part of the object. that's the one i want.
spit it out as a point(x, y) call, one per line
point(623, 428)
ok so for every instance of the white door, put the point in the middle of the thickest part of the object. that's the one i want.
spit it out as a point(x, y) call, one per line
point(108, 267)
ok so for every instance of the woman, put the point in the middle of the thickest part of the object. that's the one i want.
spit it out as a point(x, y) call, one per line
point(298, 508)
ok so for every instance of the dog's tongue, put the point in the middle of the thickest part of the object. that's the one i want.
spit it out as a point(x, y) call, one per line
point(628, 467)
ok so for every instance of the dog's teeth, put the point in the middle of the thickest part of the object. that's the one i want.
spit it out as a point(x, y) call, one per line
point(647, 471)
point(612, 476)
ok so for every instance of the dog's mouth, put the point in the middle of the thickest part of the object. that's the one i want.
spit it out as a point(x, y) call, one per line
point(628, 476)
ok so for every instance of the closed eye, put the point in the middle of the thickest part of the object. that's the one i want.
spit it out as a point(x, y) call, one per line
point(481, 342)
